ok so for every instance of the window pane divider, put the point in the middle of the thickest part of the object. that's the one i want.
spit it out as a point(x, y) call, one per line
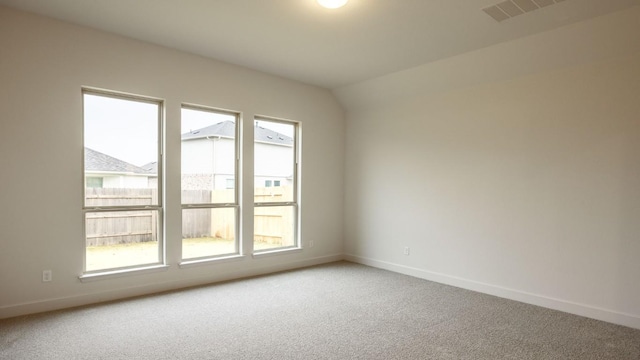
point(210, 206)
point(288, 203)
point(122, 208)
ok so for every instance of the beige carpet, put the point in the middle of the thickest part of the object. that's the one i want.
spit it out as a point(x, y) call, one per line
point(334, 311)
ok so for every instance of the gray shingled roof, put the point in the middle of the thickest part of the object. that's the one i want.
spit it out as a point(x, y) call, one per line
point(97, 161)
point(150, 168)
point(227, 129)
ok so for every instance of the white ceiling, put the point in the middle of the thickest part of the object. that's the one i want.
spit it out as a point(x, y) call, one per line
point(299, 40)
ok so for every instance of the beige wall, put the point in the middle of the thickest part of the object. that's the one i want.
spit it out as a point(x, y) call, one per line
point(526, 188)
point(43, 64)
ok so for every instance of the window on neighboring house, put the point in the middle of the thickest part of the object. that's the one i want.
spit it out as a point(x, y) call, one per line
point(276, 208)
point(94, 182)
point(209, 165)
point(122, 212)
point(276, 182)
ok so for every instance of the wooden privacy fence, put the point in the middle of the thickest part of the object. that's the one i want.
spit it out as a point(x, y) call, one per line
point(272, 225)
point(196, 222)
point(120, 227)
point(208, 222)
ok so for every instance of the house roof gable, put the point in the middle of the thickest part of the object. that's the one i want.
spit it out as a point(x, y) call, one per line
point(97, 161)
point(227, 129)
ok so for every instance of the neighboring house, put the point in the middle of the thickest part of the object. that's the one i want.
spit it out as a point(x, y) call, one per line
point(207, 158)
point(104, 171)
point(214, 162)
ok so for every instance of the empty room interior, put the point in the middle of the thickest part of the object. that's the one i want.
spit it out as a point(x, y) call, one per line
point(159, 146)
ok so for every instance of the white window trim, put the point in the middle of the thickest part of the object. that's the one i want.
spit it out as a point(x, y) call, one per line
point(122, 272)
point(297, 172)
point(211, 260)
point(111, 272)
point(207, 259)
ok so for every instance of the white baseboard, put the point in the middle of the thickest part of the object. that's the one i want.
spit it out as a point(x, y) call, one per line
point(585, 310)
point(51, 304)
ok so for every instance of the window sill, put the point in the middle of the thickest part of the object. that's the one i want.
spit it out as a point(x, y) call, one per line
point(199, 262)
point(277, 252)
point(120, 273)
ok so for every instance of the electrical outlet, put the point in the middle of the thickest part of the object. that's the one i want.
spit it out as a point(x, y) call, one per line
point(310, 243)
point(406, 250)
point(47, 276)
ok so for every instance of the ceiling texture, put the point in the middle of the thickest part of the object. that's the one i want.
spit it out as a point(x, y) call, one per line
point(299, 40)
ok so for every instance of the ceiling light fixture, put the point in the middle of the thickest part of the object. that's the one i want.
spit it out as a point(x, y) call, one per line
point(332, 4)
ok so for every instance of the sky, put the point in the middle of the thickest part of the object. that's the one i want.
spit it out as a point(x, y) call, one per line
point(124, 129)
point(128, 129)
point(198, 119)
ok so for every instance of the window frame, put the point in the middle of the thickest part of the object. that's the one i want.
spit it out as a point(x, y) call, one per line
point(295, 203)
point(159, 207)
point(236, 188)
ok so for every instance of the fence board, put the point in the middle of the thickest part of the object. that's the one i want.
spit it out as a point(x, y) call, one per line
point(272, 224)
point(120, 227)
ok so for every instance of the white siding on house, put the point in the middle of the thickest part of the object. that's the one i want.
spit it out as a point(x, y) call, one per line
point(126, 181)
point(207, 160)
point(197, 156)
point(273, 161)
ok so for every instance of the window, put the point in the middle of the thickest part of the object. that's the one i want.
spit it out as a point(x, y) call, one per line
point(94, 182)
point(122, 194)
point(276, 208)
point(209, 197)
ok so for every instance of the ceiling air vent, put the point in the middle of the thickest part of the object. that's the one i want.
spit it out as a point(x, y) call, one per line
point(510, 8)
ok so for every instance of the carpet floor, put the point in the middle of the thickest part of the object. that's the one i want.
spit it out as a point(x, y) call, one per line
point(333, 311)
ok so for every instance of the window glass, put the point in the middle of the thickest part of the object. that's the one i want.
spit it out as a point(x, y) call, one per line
point(122, 206)
point(275, 171)
point(209, 196)
point(274, 160)
point(274, 227)
point(121, 239)
point(208, 156)
point(121, 147)
point(94, 182)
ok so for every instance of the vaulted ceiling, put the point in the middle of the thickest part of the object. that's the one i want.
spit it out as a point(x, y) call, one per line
point(300, 40)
